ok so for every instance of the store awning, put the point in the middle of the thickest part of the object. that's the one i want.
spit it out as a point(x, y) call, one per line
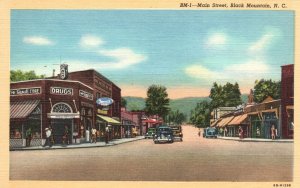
point(153, 121)
point(22, 109)
point(56, 115)
point(238, 120)
point(225, 121)
point(109, 120)
point(215, 122)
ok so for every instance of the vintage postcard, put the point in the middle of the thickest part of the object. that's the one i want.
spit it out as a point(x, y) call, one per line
point(149, 93)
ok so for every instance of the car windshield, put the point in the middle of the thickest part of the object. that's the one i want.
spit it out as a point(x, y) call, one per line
point(164, 129)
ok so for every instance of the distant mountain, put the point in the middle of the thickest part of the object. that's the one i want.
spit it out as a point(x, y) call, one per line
point(184, 105)
point(135, 103)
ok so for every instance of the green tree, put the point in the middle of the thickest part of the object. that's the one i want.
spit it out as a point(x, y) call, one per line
point(200, 116)
point(176, 117)
point(231, 94)
point(264, 88)
point(227, 95)
point(216, 94)
point(18, 75)
point(157, 101)
point(123, 102)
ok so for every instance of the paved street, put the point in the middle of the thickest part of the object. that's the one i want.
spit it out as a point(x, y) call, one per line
point(194, 159)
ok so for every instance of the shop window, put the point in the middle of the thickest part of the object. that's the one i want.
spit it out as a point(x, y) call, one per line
point(62, 108)
point(16, 131)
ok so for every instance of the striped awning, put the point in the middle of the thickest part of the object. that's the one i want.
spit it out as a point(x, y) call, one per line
point(238, 119)
point(225, 121)
point(109, 120)
point(22, 109)
point(215, 122)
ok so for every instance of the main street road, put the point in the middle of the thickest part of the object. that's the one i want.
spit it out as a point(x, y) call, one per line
point(194, 159)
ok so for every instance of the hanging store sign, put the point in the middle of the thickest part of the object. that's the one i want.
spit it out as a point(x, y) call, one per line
point(85, 94)
point(25, 91)
point(104, 101)
point(61, 91)
point(104, 112)
point(63, 71)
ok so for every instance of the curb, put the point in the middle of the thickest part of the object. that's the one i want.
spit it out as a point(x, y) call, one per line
point(87, 145)
point(257, 140)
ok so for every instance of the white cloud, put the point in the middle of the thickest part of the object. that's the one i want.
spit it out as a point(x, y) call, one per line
point(261, 44)
point(91, 41)
point(37, 40)
point(121, 58)
point(199, 71)
point(243, 72)
point(216, 40)
point(252, 67)
point(124, 57)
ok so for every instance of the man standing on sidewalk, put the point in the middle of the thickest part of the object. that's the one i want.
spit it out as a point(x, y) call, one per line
point(28, 137)
point(94, 135)
point(48, 135)
point(106, 134)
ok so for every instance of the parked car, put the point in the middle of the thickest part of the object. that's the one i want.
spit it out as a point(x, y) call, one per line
point(163, 134)
point(150, 133)
point(177, 132)
point(210, 132)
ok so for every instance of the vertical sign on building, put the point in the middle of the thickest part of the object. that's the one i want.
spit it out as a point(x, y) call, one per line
point(63, 71)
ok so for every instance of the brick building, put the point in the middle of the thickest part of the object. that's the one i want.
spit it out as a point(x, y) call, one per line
point(66, 100)
point(39, 104)
point(287, 100)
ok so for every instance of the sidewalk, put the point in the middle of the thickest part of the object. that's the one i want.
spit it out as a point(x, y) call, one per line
point(82, 145)
point(256, 139)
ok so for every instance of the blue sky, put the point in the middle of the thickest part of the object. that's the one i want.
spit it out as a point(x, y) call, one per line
point(186, 51)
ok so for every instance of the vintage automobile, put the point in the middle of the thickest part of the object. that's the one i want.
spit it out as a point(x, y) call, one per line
point(150, 133)
point(163, 134)
point(177, 132)
point(210, 132)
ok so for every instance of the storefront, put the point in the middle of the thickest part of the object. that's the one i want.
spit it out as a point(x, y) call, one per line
point(263, 116)
point(25, 115)
point(113, 125)
point(236, 122)
point(44, 103)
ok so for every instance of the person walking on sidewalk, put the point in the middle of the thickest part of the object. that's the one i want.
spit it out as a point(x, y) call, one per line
point(273, 132)
point(225, 131)
point(241, 132)
point(65, 138)
point(28, 137)
point(94, 135)
point(106, 134)
point(48, 135)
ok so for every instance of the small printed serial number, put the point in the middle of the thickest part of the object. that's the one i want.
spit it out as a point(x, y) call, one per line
point(282, 185)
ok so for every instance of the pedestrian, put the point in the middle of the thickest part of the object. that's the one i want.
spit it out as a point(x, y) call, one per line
point(65, 138)
point(28, 137)
point(273, 132)
point(257, 132)
point(106, 134)
point(94, 135)
point(199, 132)
point(48, 135)
point(225, 131)
point(52, 136)
point(241, 132)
